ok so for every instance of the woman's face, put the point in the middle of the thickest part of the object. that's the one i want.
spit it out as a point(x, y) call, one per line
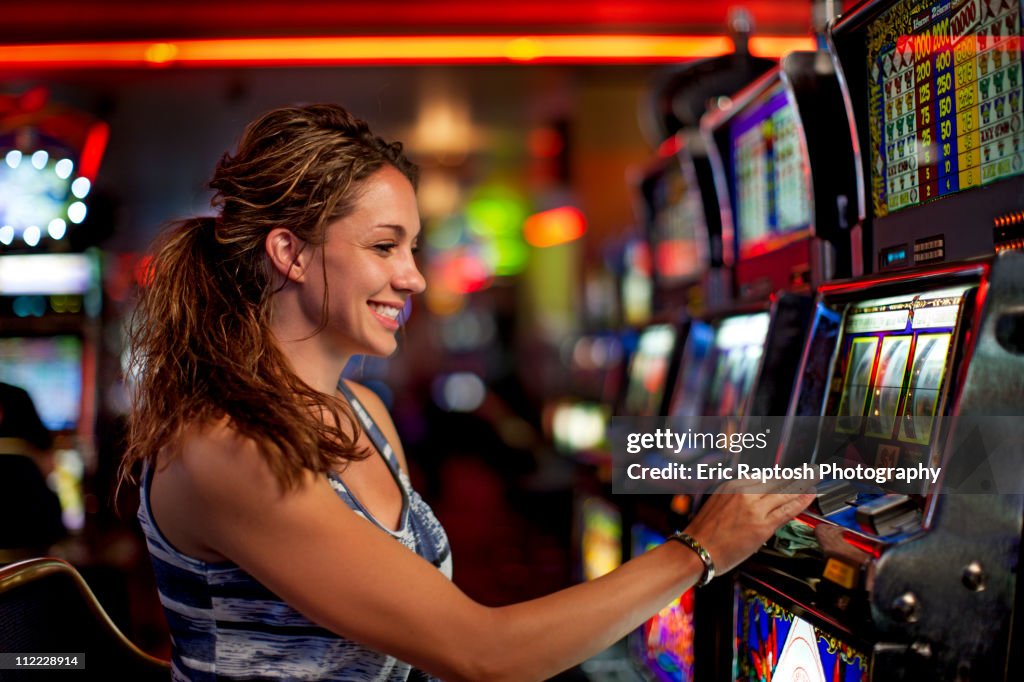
point(369, 266)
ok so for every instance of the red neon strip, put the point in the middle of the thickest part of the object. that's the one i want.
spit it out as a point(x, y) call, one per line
point(597, 48)
point(92, 150)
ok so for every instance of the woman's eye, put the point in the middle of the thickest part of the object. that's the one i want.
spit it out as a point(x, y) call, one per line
point(386, 247)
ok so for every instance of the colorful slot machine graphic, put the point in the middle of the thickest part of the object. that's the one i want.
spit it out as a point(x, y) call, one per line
point(649, 371)
point(718, 366)
point(770, 183)
point(739, 345)
point(892, 369)
point(579, 427)
point(891, 377)
point(601, 538)
point(773, 644)
point(694, 371)
point(664, 644)
point(890, 381)
point(49, 368)
point(676, 226)
point(636, 288)
point(944, 99)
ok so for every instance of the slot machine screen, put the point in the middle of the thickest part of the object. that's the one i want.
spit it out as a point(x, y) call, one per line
point(739, 345)
point(687, 400)
point(46, 274)
point(935, 90)
point(770, 189)
point(675, 219)
point(579, 426)
point(50, 369)
point(595, 363)
point(636, 288)
point(649, 369)
point(664, 644)
point(944, 100)
point(601, 538)
point(890, 377)
point(774, 643)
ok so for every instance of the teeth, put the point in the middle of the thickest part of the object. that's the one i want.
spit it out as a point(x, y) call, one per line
point(386, 310)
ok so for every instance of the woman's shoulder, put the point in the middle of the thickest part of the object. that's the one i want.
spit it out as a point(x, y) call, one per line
point(214, 461)
point(213, 482)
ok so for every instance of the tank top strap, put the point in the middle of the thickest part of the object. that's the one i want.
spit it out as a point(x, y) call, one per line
point(372, 430)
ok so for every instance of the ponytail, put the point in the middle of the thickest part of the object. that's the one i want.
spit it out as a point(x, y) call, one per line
point(202, 351)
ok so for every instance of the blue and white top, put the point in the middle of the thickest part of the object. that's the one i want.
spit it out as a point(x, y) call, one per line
point(226, 625)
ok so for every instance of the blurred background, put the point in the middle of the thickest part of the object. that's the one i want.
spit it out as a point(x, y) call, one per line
point(533, 124)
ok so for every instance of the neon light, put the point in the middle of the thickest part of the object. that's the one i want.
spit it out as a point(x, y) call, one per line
point(598, 48)
point(774, 47)
point(670, 147)
point(92, 149)
point(557, 226)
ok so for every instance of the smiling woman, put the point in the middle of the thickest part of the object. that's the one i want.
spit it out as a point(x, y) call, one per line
point(285, 537)
point(364, 271)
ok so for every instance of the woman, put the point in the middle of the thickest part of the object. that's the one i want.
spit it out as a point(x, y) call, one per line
point(273, 495)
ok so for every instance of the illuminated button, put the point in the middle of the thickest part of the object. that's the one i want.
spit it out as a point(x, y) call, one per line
point(841, 573)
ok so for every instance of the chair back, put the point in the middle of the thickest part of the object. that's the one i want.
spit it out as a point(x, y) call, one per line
point(47, 608)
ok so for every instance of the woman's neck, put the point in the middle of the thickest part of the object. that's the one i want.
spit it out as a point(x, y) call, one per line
point(307, 349)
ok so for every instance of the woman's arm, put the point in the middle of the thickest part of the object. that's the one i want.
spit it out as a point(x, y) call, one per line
point(343, 573)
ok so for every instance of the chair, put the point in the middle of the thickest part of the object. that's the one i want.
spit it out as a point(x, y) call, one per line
point(46, 607)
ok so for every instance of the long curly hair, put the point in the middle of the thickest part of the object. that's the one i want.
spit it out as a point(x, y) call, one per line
point(201, 345)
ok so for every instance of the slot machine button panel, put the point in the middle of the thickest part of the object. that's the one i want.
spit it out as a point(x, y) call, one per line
point(888, 514)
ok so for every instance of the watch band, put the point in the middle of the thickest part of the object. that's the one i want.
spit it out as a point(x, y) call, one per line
point(702, 554)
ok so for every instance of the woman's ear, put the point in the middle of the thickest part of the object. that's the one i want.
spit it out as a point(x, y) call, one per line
point(287, 254)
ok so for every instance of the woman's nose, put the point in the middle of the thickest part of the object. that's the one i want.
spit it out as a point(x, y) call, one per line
point(409, 278)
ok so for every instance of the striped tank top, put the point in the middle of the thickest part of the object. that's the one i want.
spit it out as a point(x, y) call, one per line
point(227, 626)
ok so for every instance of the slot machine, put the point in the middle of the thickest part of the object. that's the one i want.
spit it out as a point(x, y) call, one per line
point(688, 263)
point(665, 271)
point(48, 347)
point(788, 212)
point(788, 206)
point(786, 216)
point(737, 353)
point(50, 286)
point(901, 580)
point(577, 424)
point(678, 207)
point(679, 212)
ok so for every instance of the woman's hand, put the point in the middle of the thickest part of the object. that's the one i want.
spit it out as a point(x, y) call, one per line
point(738, 518)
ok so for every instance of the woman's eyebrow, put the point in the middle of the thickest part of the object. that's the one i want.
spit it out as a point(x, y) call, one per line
point(399, 230)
